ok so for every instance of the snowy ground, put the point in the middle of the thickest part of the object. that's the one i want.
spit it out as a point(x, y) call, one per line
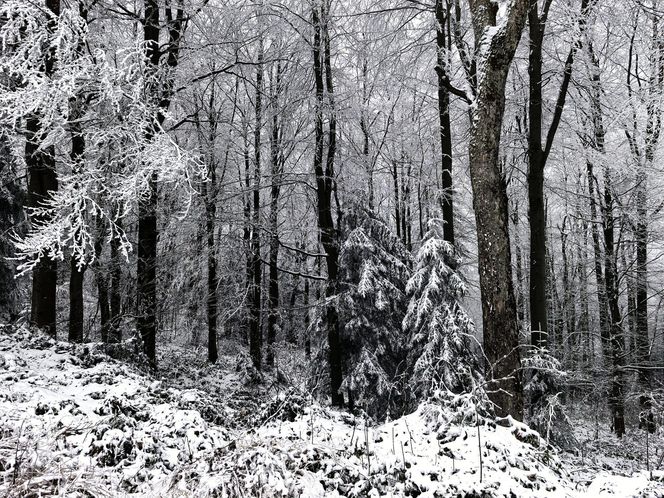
point(75, 423)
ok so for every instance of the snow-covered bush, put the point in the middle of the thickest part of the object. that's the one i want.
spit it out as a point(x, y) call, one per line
point(544, 389)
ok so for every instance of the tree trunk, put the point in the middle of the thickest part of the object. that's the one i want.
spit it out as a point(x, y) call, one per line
point(307, 320)
point(520, 305)
point(246, 237)
point(597, 254)
point(161, 92)
point(501, 333)
point(276, 160)
point(42, 180)
point(325, 185)
point(397, 198)
point(617, 340)
point(406, 221)
point(212, 280)
point(114, 329)
point(255, 335)
point(443, 46)
point(570, 335)
point(614, 343)
point(584, 310)
point(368, 161)
point(76, 305)
point(536, 213)
point(643, 165)
point(102, 284)
point(146, 273)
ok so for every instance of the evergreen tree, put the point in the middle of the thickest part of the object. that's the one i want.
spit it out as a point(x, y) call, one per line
point(439, 329)
point(374, 269)
point(11, 220)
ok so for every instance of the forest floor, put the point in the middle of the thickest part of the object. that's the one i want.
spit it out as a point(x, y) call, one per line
point(75, 422)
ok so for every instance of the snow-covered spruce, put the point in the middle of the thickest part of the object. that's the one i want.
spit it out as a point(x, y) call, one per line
point(375, 266)
point(440, 353)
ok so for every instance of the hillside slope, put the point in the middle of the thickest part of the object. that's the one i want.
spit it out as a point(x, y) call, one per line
point(76, 423)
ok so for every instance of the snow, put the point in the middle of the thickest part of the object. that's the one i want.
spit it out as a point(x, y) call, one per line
point(76, 423)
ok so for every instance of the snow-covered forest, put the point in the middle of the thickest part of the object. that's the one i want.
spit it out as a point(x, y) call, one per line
point(286, 248)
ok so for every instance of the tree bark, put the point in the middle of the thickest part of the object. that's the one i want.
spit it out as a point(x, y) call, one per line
point(246, 235)
point(397, 198)
point(77, 273)
point(537, 158)
point(614, 343)
point(146, 274)
point(255, 335)
point(443, 45)
point(644, 162)
point(148, 234)
point(501, 333)
point(325, 185)
point(102, 284)
point(276, 160)
point(536, 215)
point(42, 180)
point(114, 328)
point(307, 320)
point(212, 306)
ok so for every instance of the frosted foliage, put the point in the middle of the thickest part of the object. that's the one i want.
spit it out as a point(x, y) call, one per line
point(374, 268)
point(438, 326)
point(108, 95)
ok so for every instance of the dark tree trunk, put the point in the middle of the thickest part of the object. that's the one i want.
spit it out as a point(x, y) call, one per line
point(146, 299)
point(76, 305)
point(209, 194)
point(644, 162)
point(614, 342)
point(406, 221)
point(307, 320)
point(597, 255)
point(536, 214)
point(102, 300)
point(443, 45)
point(255, 335)
point(101, 281)
point(114, 329)
point(246, 237)
point(293, 327)
point(364, 126)
point(161, 92)
point(501, 332)
point(568, 302)
point(42, 180)
point(212, 280)
point(537, 158)
point(584, 309)
point(276, 160)
point(617, 340)
point(146, 274)
point(325, 185)
point(397, 198)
